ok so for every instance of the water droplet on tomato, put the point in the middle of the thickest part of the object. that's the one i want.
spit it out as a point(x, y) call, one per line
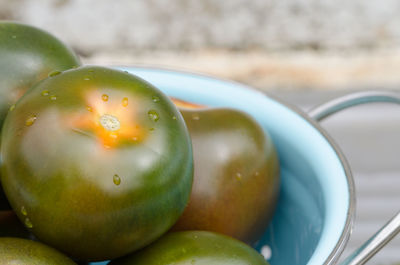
point(54, 73)
point(153, 115)
point(266, 252)
point(125, 102)
point(134, 138)
point(86, 79)
point(28, 223)
point(110, 122)
point(23, 211)
point(12, 107)
point(31, 120)
point(89, 108)
point(116, 179)
point(238, 176)
point(53, 97)
point(174, 117)
point(45, 93)
point(156, 99)
point(104, 97)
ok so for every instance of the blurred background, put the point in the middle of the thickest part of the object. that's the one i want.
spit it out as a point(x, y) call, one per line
point(272, 45)
point(302, 51)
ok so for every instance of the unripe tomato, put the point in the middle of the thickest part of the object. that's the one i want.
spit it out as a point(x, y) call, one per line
point(28, 55)
point(100, 161)
point(194, 247)
point(22, 251)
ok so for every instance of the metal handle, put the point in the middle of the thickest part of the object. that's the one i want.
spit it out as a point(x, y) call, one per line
point(331, 107)
point(390, 229)
point(375, 243)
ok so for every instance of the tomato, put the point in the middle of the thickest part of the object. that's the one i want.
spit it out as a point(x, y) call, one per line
point(10, 226)
point(194, 247)
point(100, 160)
point(236, 174)
point(23, 251)
point(27, 55)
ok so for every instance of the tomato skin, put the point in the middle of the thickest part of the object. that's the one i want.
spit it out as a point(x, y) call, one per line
point(100, 160)
point(236, 176)
point(194, 247)
point(27, 55)
point(23, 251)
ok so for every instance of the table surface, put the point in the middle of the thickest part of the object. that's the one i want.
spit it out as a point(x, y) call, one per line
point(369, 136)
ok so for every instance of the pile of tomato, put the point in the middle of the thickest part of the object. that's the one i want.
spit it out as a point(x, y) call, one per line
point(98, 164)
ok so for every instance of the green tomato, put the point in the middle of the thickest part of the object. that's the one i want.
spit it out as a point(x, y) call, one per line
point(22, 251)
point(194, 248)
point(236, 174)
point(27, 55)
point(100, 160)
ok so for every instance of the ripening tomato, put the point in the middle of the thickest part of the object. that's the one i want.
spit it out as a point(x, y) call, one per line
point(236, 174)
point(100, 161)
